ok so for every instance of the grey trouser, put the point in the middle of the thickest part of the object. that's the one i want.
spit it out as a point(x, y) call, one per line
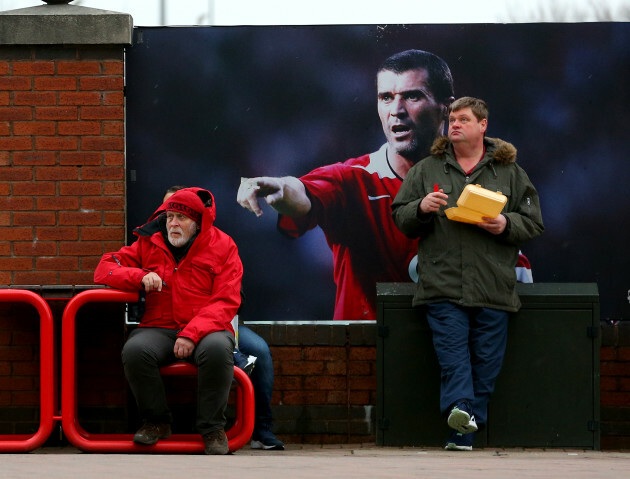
point(148, 349)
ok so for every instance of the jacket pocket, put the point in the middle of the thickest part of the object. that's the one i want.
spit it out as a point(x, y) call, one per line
point(503, 189)
point(435, 276)
point(447, 188)
point(202, 277)
point(451, 202)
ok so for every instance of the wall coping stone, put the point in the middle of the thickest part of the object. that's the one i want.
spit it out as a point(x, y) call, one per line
point(65, 25)
point(316, 333)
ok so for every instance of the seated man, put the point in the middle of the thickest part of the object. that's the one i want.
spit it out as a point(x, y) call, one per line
point(191, 272)
point(255, 352)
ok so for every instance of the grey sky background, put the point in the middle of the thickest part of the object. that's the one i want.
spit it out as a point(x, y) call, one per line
point(316, 12)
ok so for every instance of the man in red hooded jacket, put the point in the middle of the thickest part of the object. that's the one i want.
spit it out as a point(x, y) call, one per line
point(191, 273)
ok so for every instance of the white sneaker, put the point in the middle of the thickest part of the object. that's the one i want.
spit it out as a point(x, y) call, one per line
point(460, 442)
point(461, 419)
point(267, 441)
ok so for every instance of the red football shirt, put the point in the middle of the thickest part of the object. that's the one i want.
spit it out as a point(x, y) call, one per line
point(351, 202)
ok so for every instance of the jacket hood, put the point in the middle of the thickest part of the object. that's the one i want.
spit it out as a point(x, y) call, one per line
point(206, 205)
point(502, 151)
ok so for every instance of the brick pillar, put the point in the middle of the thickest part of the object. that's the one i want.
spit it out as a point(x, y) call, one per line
point(62, 181)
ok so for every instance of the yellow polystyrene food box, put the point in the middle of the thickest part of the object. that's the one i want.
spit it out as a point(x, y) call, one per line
point(476, 202)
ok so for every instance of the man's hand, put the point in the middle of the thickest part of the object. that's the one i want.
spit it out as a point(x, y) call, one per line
point(183, 348)
point(151, 282)
point(496, 226)
point(286, 195)
point(432, 202)
point(253, 188)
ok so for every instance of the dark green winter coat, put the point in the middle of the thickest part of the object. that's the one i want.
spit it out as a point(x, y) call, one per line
point(460, 262)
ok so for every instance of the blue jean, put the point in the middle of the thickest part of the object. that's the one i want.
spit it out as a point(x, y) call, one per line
point(262, 375)
point(148, 349)
point(470, 346)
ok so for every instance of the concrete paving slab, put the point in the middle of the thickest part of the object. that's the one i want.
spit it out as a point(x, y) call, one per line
point(328, 462)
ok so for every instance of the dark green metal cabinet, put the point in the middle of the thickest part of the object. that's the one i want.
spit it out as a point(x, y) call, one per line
point(547, 394)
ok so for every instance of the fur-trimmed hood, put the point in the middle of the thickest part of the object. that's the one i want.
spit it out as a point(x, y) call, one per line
point(502, 152)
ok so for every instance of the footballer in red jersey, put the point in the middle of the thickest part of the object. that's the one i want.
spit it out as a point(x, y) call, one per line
point(351, 201)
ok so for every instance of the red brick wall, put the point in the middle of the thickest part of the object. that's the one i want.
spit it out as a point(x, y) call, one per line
point(615, 386)
point(19, 357)
point(328, 391)
point(61, 162)
point(324, 375)
point(323, 393)
point(19, 368)
point(615, 380)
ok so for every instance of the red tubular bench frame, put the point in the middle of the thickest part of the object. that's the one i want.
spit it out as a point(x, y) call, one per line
point(238, 435)
point(48, 396)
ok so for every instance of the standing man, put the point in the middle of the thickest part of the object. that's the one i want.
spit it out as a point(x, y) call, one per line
point(191, 273)
point(466, 271)
point(351, 201)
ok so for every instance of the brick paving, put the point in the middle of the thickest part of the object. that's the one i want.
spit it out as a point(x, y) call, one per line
point(329, 462)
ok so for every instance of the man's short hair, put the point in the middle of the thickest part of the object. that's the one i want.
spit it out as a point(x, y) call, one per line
point(173, 189)
point(476, 105)
point(440, 78)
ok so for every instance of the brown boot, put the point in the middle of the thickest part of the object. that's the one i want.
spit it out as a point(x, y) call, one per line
point(216, 443)
point(150, 433)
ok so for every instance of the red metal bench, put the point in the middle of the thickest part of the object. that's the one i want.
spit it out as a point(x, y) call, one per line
point(48, 396)
point(238, 435)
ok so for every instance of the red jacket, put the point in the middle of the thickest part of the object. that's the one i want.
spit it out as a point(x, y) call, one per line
point(202, 292)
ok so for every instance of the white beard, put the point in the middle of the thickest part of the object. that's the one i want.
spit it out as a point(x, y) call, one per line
point(184, 236)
